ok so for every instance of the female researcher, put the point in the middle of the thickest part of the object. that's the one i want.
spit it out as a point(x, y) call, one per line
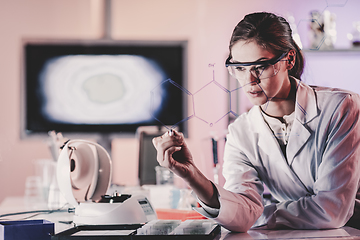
point(302, 142)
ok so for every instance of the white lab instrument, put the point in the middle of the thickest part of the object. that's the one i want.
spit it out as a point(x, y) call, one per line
point(84, 176)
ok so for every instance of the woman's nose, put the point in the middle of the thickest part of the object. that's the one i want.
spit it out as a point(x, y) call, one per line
point(252, 79)
point(248, 78)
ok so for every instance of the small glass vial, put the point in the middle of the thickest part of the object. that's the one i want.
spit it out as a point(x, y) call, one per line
point(354, 37)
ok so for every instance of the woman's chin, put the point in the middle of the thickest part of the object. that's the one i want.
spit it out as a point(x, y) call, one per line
point(257, 101)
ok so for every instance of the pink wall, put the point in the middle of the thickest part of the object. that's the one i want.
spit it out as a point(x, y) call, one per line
point(206, 24)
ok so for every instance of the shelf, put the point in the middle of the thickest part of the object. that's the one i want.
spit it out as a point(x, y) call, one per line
point(355, 49)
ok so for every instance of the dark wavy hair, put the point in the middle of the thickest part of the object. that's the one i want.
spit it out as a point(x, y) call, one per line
point(271, 32)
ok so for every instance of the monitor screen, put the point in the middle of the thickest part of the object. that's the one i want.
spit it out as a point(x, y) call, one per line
point(108, 87)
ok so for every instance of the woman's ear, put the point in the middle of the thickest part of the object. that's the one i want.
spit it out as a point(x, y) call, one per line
point(291, 59)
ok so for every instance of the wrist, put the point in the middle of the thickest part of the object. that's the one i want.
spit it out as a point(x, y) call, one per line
point(196, 180)
point(193, 174)
point(204, 189)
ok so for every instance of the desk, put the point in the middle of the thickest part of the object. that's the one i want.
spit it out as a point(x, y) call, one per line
point(341, 233)
point(17, 204)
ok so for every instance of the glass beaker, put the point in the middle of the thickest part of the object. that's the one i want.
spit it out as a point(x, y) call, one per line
point(164, 176)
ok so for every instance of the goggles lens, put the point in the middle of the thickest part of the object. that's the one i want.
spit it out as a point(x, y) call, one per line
point(259, 72)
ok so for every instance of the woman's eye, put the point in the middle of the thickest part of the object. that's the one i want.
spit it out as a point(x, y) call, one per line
point(239, 69)
point(261, 68)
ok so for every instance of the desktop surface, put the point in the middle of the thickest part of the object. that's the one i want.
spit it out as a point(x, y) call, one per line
point(62, 222)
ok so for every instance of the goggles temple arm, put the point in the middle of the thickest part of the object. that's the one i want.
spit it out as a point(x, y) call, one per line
point(270, 61)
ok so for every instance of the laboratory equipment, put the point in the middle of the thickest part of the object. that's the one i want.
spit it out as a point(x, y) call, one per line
point(84, 175)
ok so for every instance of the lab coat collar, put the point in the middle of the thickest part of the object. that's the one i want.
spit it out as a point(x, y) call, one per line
point(306, 105)
point(269, 144)
point(306, 109)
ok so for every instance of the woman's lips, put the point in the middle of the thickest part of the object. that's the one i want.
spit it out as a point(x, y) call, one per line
point(255, 93)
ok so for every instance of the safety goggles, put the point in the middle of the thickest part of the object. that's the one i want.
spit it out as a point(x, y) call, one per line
point(260, 70)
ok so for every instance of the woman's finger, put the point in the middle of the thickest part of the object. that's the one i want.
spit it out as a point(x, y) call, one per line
point(167, 160)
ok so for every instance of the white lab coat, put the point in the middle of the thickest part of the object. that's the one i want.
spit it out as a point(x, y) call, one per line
point(317, 183)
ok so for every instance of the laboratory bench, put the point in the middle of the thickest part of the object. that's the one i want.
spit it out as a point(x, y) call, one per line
point(62, 222)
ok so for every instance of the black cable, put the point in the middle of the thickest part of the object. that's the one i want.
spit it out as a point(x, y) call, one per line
point(36, 212)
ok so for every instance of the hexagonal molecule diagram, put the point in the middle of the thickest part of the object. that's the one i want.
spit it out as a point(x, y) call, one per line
point(209, 95)
point(160, 100)
point(322, 26)
point(336, 3)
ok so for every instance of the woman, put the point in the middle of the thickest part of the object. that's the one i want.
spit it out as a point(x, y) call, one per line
point(302, 142)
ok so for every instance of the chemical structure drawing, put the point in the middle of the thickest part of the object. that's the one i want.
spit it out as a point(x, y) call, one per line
point(335, 3)
point(322, 25)
point(210, 93)
point(206, 94)
point(318, 32)
point(158, 91)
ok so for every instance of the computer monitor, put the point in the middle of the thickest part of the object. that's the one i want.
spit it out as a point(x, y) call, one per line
point(102, 88)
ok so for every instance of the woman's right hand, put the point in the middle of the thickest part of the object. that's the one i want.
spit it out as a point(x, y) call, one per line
point(173, 153)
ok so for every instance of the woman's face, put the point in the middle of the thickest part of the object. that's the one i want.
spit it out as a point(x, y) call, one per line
point(260, 91)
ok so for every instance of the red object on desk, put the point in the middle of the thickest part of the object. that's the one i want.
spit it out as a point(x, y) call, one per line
point(176, 214)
